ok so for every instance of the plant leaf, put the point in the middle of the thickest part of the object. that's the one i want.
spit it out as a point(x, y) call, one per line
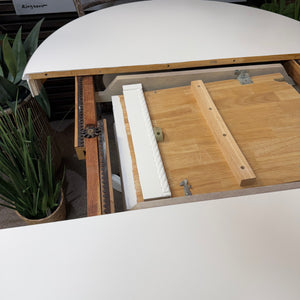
point(43, 101)
point(289, 10)
point(20, 55)
point(273, 7)
point(282, 6)
point(9, 57)
point(32, 39)
point(8, 91)
point(297, 9)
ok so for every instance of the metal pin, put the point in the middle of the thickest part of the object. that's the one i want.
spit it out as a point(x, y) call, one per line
point(186, 187)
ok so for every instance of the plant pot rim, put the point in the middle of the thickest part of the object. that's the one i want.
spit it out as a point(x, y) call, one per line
point(58, 215)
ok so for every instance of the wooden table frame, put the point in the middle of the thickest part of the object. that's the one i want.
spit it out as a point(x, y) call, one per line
point(92, 159)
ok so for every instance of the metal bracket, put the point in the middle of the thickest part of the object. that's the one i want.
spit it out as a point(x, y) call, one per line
point(90, 131)
point(158, 134)
point(243, 77)
point(186, 187)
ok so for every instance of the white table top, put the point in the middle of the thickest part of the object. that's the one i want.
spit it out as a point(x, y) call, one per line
point(236, 248)
point(163, 32)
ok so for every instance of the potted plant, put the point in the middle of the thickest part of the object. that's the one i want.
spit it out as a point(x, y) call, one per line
point(27, 175)
point(14, 55)
point(287, 8)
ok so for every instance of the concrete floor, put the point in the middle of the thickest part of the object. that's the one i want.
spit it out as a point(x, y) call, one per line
point(75, 176)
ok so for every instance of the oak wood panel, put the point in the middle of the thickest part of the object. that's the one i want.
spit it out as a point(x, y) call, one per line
point(293, 69)
point(263, 117)
point(231, 151)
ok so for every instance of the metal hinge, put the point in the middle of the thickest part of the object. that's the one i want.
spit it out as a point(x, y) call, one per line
point(243, 77)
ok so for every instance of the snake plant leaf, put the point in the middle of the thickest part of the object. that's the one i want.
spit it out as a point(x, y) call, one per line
point(31, 42)
point(9, 57)
point(43, 101)
point(20, 55)
point(8, 91)
point(1, 63)
point(2, 36)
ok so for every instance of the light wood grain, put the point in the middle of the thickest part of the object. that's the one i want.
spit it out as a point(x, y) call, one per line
point(169, 66)
point(138, 188)
point(263, 117)
point(35, 86)
point(231, 151)
point(293, 69)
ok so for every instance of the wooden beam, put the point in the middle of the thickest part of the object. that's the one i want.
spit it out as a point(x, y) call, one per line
point(92, 178)
point(166, 66)
point(231, 151)
point(91, 146)
point(293, 69)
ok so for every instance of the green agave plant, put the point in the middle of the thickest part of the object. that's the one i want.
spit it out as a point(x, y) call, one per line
point(27, 176)
point(284, 7)
point(14, 55)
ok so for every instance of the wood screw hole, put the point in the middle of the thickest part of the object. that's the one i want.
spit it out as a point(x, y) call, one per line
point(242, 167)
point(210, 108)
point(224, 134)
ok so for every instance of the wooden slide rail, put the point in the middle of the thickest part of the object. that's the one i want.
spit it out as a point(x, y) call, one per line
point(231, 151)
point(96, 193)
point(36, 79)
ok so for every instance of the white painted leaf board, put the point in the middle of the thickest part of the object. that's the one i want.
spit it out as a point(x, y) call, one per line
point(152, 175)
point(162, 32)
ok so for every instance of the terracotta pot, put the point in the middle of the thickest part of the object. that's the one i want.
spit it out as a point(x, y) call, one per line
point(58, 215)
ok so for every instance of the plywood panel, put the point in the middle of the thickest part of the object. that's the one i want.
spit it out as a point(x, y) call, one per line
point(263, 117)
